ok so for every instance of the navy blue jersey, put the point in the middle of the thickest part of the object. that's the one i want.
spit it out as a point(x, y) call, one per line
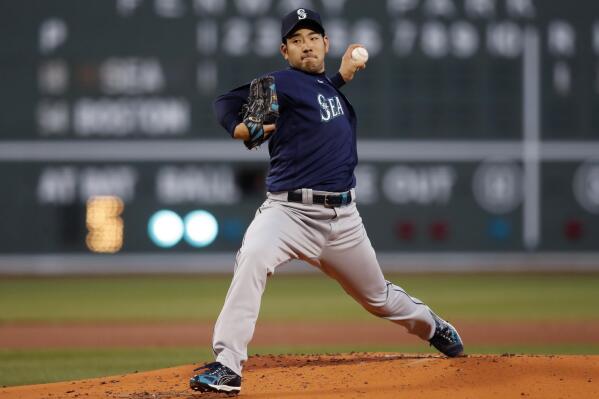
point(314, 145)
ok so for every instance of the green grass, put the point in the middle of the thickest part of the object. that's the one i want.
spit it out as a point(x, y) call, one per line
point(295, 298)
point(111, 299)
point(288, 298)
point(23, 367)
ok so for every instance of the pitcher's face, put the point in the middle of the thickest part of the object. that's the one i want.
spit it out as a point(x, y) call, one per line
point(305, 49)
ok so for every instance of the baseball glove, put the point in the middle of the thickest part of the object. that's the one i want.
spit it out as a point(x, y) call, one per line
point(262, 108)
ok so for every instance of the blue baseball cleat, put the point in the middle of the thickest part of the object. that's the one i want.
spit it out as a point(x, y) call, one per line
point(446, 338)
point(216, 378)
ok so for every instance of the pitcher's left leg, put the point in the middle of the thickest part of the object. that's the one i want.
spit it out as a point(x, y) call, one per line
point(357, 270)
point(350, 259)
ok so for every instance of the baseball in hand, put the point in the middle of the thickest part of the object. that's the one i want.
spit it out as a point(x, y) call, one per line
point(359, 55)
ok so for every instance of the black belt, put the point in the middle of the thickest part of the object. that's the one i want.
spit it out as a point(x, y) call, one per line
point(328, 200)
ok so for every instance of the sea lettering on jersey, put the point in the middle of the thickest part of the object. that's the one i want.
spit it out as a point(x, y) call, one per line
point(330, 108)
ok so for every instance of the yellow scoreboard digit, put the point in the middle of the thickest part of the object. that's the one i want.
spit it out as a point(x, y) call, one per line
point(104, 224)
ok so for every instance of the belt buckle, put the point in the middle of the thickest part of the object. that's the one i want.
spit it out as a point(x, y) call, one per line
point(327, 204)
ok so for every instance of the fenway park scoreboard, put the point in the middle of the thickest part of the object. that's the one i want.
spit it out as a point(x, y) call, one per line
point(478, 125)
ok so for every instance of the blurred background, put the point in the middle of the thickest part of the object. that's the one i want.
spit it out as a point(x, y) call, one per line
point(478, 131)
point(478, 127)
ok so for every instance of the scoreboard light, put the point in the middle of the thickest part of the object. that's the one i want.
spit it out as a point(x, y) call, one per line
point(573, 230)
point(165, 228)
point(438, 231)
point(405, 230)
point(201, 228)
point(499, 228)
point(233, 229)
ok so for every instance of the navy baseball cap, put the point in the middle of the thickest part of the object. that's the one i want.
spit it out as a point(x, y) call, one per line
point(300, 18)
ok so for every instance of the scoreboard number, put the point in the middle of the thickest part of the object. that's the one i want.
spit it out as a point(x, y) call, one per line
point(104, 224)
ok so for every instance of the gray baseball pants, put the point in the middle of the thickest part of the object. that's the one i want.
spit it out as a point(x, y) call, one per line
point(332, 239)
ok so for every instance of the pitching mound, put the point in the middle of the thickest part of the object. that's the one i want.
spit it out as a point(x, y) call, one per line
point(357, 375)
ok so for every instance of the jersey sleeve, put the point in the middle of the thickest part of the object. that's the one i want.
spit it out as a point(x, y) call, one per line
point(227, 107)
point(337, 80)
point(283, 88)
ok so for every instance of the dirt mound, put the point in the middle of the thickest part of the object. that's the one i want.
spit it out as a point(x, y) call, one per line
point(357, 375)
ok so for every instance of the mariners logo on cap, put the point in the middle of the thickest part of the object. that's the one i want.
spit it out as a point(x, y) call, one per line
point(301, 14)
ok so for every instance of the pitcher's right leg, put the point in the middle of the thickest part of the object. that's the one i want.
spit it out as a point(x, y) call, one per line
point(257, 258)
point(273, 238)
point(234, 329)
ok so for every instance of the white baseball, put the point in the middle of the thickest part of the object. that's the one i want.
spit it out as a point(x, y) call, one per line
point(360, 55)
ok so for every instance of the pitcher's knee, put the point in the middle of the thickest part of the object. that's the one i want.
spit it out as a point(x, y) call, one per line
point(378, 305)
point(379, 310)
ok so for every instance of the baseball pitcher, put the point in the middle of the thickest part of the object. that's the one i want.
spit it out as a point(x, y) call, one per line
point(310, 211)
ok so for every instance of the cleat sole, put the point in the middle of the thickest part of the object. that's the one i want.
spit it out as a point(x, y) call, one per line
point(230, 391)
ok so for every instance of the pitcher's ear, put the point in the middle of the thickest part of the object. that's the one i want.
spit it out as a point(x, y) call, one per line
point(283, 50)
